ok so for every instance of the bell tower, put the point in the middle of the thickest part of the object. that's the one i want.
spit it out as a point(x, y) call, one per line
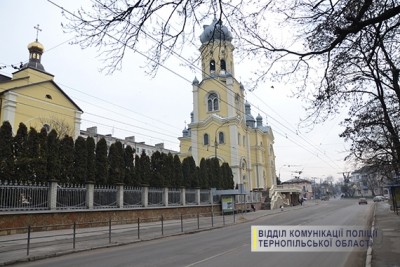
point(216, 51)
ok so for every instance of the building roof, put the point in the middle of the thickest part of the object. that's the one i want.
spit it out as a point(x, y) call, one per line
point(39, 83)
point(296, 180)
point(215, 31)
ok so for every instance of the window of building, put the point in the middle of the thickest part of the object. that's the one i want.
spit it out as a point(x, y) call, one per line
point(244, 140)
point(221, 138)
point(212, 102)
point(206, 141)
point(212, 66)
point(239, 139)
point(223, 65)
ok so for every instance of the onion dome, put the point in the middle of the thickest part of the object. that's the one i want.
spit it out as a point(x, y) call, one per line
point(36, 50)
point(215, 31)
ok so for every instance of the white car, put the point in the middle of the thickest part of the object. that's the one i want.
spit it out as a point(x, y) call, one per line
point(378, 198)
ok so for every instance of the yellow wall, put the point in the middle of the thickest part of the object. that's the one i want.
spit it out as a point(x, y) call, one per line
point(39, 104)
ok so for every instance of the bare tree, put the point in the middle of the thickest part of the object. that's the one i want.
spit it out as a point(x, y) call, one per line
point(344, 53)
point(59, 125)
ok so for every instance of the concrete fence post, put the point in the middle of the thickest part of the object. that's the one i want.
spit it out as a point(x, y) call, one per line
point(52, 195)
point(165, 197)
point(89, 195)
point(145, 196)
point(197, 197)
point(120, 195)
point(183, 196)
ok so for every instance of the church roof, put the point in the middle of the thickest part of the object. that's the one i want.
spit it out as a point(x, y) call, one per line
point(215, 31)
point(39, 83)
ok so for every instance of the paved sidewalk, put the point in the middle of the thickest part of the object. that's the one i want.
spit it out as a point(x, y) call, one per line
point(386, 247)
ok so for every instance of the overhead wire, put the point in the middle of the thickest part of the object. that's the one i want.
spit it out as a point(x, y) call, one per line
point(176, 73)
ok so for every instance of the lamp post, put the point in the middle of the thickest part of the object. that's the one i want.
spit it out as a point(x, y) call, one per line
point(215, 138)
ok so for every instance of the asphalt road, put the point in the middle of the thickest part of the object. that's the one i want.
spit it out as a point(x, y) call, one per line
point(230, 246)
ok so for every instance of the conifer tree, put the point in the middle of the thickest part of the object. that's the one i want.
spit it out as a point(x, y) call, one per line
point(177, 180)
point(203, 174)
point(20, 153)
point(91, 162)
point(145, 168)
point(53, 157)
point(157, 178)
point(138, 172)
point(227, 176)
point(80, 161)
point(6, 152)
point(116, 171)
point(33, 154)
point(101, 162)
point(129, 166)
point(41, 163)
point(66, 159)
point(188, 171)
point(168, 170)
point(216, 173)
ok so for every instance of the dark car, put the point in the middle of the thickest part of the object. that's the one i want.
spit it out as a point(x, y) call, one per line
point(362, 201)
point(324, 198)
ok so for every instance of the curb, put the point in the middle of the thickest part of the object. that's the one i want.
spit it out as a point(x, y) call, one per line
point(368, 259)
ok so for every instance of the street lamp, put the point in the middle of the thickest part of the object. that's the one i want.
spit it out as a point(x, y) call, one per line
point(215, 138)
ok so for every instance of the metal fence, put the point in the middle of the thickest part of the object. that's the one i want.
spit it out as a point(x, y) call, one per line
point(16, 196)
point(132, 197)
point(190, 197)
point(174, 197)
point(105, 197)
point(23, 196)
point(71, 197)
point(155, 196)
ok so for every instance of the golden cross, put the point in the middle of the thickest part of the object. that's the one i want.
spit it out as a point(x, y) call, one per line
point(37, 31)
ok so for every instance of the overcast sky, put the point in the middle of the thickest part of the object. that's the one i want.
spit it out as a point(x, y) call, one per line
point(154, 110)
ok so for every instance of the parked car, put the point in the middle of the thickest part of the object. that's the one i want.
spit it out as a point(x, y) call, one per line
point(362, 201)
point(378, 198)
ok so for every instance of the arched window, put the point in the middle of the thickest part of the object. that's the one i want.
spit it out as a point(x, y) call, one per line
point(206, 139)
point(223, 64)
point(212, 65)
point(212, 102)
point(221, 138)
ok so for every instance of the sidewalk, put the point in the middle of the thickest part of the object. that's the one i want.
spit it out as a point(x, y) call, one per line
point(386, 247)
point(13, 248)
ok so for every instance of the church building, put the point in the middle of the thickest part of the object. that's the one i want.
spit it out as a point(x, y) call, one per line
point(32, 97)
point(221, 124)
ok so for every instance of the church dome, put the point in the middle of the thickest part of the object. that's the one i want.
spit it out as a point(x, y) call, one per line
point(35, 53)
point(36, 45)
point(215, 31)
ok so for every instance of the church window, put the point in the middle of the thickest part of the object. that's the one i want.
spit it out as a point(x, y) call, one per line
point(238, 139)
point(221, 138)
point(212, 102)
point(212, 65)
point(223, 64)
point(206, 141)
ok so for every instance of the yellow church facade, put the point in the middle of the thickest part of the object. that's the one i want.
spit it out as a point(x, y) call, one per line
point(221, 124)
point(32, 97)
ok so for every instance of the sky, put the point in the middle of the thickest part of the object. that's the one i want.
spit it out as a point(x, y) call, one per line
point(156, 109)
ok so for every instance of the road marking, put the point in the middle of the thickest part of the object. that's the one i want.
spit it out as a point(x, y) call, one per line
point(216, 255)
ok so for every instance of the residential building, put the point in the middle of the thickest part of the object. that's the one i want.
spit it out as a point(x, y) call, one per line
point(222, 124)
point(368, 182)
point(139, 147)
point(31, 96)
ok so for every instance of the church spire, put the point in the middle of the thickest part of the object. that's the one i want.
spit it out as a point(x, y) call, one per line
point(35, 53)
